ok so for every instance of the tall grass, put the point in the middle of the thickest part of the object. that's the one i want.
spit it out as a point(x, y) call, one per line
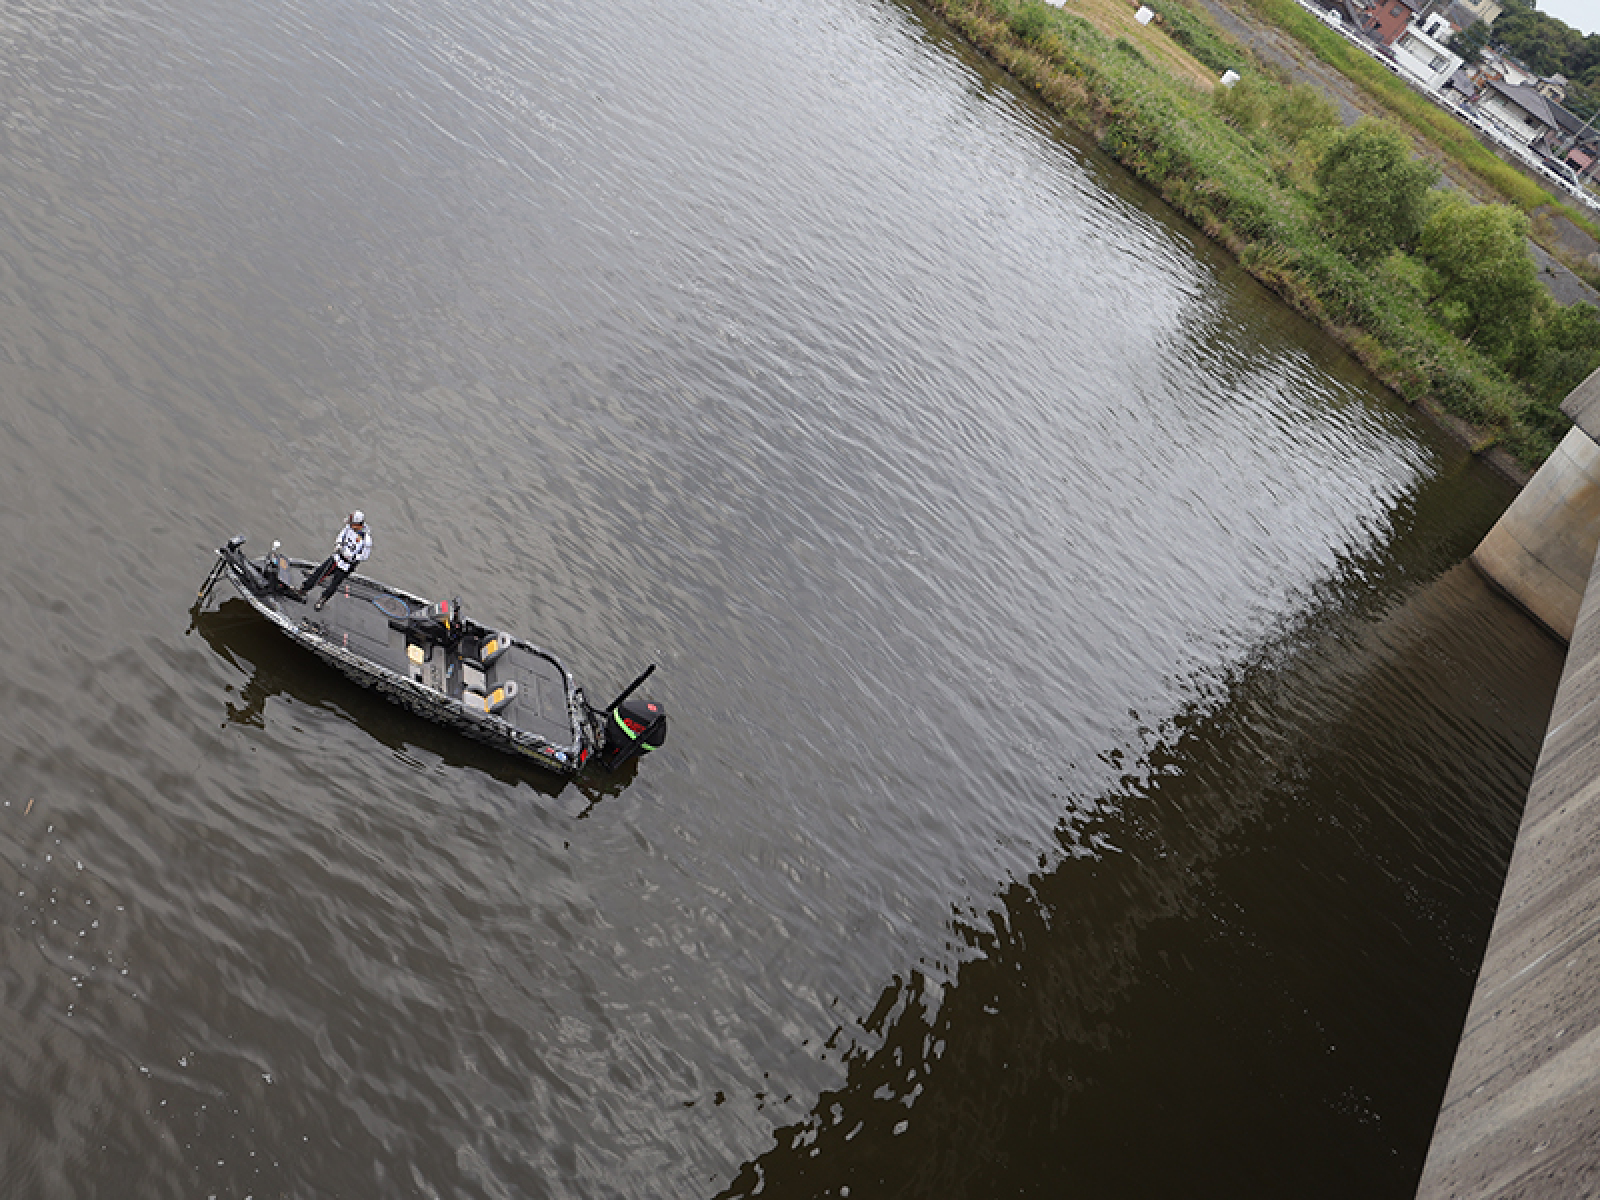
point(1199, 38)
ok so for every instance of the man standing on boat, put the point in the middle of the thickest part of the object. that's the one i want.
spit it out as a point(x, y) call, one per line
point(351, 547)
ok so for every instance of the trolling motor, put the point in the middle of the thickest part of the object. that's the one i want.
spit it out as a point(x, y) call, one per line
point(277, 572)
point(224, 555)
point(632, 726)
point(262, 579)
point(270, 577)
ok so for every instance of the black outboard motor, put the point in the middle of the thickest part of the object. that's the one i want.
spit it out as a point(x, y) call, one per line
point(632, 727)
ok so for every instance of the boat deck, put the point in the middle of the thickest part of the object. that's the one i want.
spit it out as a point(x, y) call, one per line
point(362, 618)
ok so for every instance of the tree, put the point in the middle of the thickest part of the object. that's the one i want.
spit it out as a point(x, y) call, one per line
point(1559, 351)
point(1588, 58)
point(1469, 42)
point(1546, 44)
point(1583, 97)
point(1488, 283)
point(1372, 193)
point(1582, 102)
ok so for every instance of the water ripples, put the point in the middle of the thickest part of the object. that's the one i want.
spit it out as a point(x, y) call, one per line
point(1033, 594)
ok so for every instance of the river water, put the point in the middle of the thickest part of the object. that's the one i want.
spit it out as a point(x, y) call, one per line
point(1091, 769)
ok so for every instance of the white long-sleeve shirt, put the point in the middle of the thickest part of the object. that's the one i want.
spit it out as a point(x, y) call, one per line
point(352, 546)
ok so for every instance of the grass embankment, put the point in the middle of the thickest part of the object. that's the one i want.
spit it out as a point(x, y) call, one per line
point(1243, 170)
point(1115, 19)
point(1441, 129)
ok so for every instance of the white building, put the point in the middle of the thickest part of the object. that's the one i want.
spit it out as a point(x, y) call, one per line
point(1425, 58)
point(1460, 14)
point(1485, 10)
point(1438, 27)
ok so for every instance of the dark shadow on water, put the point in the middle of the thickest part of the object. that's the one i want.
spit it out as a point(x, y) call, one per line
point(275, 667)
point(1242, 971)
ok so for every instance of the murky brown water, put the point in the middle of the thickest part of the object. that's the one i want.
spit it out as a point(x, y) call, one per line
point(1091, 771)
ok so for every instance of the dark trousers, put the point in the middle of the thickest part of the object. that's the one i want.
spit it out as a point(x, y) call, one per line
point(335, 575)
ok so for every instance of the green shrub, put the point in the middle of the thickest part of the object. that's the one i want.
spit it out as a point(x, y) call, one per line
point(1032, 21)
point(1342, 288)
point(1123, 46)
point(1301, 111)
point(1407, 278)
point(1486, 277)
point(1371, 191)
point(1246, 105)
point(1455, 385)
point(1560, 349)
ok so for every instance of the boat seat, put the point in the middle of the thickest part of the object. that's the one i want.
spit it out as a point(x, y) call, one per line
point(494, 702)
point(487, 648)
point(472, 677)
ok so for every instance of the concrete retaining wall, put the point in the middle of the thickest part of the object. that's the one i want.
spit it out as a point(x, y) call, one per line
point(1541, 550)
point(1521, 1113)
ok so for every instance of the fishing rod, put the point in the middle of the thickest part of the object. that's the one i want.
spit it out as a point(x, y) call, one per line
point(628, 691)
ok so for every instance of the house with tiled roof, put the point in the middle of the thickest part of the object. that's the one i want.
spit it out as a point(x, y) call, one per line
point(1553, 87)
point(1495, 65)
point(1577, 143)
point(1460, 89)
point(1519, 110)
point(1482, 10)
point(1388, 19)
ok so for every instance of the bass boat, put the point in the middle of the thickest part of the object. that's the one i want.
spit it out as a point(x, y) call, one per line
point(430, 658)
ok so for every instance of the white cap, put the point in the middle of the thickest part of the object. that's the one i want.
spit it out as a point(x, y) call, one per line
point(358, 517)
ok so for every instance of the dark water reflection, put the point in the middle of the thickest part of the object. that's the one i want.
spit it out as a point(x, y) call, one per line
point(1198, 994)
point(1050, 622)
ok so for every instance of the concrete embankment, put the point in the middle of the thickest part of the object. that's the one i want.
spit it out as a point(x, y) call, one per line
point(1542, 550)
point(1521, 1113)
